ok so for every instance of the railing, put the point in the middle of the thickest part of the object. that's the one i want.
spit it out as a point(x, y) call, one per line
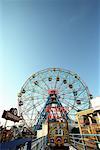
point(17, 144)
point(24, 144)
point(85, 141)
point(39, 144)
point(78, 141)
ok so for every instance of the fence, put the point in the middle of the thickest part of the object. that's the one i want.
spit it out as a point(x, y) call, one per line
point(39, 144)
point(85, 141)
point(24, 144)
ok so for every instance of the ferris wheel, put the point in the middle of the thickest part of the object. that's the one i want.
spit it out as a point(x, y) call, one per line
point(71, 90)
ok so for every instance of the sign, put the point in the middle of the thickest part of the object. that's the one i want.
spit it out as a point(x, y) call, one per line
point(10, 116)
point(56, 109)
point(53, 91)
point(56, 112)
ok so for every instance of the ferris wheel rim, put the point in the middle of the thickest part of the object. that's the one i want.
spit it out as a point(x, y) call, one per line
point(64, 70)
point(57, 69)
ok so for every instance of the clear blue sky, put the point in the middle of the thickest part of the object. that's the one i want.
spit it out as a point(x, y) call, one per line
point(37, 34)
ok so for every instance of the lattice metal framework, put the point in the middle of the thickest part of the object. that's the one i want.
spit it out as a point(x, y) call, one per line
point(72, 92)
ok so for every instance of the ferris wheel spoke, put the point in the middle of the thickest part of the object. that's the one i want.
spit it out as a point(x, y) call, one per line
point(32, 111)
point(49, 76)
point(36, 83)
point(39, 104)
point(28, 99)
point(66, 89)
point(72, 106)
point(34, 93)
point(55, 84)
point(79, 89)
point(60, 86)
point(69, 98)
point(56, 80)
point(27, 110)
point(33, 107)
point(43, 89)
point(39, 99)
point(81, 92)
point(38, 92)
point(27, 116)
point(35, 98)
point(43, 80)
point(46, 84)
point(27, 105)
point(31, 116)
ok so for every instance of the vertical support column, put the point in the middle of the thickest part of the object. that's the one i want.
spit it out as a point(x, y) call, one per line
point(82, 136)
point(29, 145)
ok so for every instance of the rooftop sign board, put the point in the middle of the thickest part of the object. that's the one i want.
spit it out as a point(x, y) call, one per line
point(12, 116)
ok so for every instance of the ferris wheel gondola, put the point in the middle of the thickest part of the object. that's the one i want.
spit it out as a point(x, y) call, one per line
point(71, 90)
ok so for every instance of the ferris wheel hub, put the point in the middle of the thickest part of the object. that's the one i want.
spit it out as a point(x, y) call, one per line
point(52, 86)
